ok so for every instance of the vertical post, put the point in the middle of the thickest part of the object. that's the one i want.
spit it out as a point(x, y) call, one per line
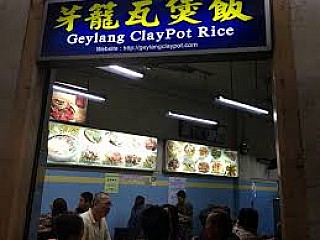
point(24, 19)
point(287, 126)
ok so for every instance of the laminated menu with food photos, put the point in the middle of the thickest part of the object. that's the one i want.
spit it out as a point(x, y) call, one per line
point(184, 157)
point(82, 146)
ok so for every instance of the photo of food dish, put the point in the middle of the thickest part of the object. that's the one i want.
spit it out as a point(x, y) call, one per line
point(216, 153)
point(61, 110)
point(231, 155)
point(189, 166)
point(173, 164)
point(231, 171)
point(217, 167)
point(203, 167)
point(63, 129)
point(189, 150)
point(150, 162)
point(94, 136)
point(203, 151)
point(68, 107)
point(132, 160)
point(89, 156)
point(151, 144)
point(173, 148)
point(62, 148)
point(113, 159)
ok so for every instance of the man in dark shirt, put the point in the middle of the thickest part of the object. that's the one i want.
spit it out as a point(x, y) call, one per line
point(185, 214)
point(85, 201)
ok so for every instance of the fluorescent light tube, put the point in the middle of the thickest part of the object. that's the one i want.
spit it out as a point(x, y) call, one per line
point(76, 92)
point(190, 118)
point(126, 72)
point(241, 106)
point(71, 86)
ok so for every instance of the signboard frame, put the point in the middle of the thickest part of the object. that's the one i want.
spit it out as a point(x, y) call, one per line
point(266, 48)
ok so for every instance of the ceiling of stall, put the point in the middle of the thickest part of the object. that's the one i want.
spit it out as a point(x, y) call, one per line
point(247, 81)
point(190, 86)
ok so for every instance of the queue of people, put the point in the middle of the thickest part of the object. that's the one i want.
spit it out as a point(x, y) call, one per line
point(167, 222)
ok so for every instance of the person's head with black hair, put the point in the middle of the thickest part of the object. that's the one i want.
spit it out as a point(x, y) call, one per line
point(218, 225)
point(139, 202)
point(181, 195)
point(248, 219)
point(85, 202)
point(59, 206)
point(205, 212)
point(69, 227)
point(155, 223)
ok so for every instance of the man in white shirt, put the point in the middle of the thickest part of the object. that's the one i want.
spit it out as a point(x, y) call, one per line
point(95, 225)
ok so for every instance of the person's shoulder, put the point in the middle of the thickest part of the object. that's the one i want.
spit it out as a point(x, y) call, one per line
point(85, 216)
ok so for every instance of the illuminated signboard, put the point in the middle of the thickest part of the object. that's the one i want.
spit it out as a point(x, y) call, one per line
point(184, 157)
point(155, 27)
point(81, 146)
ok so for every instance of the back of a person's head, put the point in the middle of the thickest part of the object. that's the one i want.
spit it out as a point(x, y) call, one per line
point(69, 227)
point(87, 196)
point(140, 200)
point(248, 218)
point(59, 206)
point(222, 207)
point(205, 212)
point(222, 222)
point(155, 223)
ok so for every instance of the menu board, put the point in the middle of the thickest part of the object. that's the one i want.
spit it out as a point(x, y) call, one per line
point(81, 146)
point(184, 157)
point(68, 107)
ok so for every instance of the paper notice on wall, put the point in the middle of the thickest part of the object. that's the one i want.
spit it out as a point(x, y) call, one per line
point(175, 184)
point(136, 180)
point(111, 183)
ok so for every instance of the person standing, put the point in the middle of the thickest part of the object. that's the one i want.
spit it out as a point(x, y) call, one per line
point(85, 201)
point(185, 215)
point(95, 225)
point(59, 207)
point(134, 223)
point(155, 223)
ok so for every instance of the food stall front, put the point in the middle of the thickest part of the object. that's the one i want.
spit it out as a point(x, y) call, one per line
point(83, 148)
